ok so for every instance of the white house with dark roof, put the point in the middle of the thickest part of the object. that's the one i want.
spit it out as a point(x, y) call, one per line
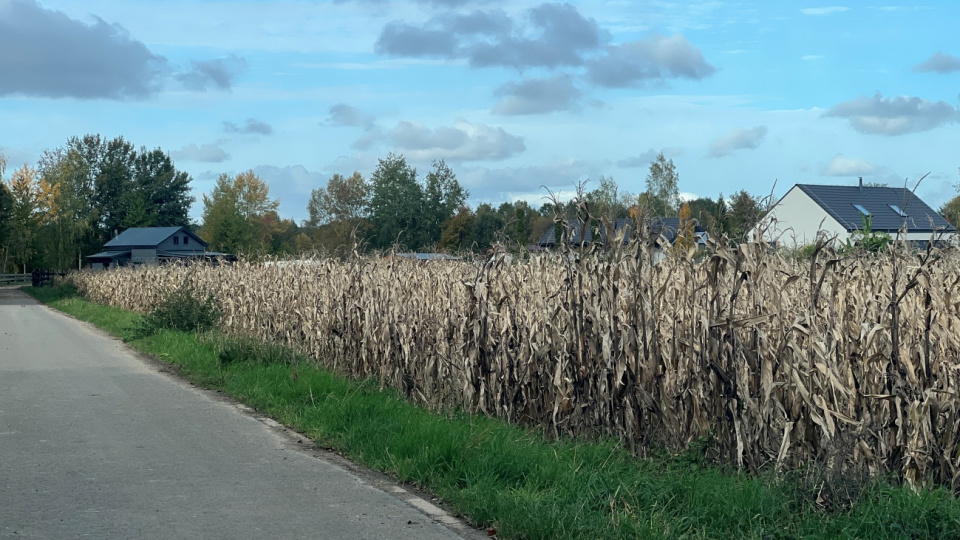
point(810, 210)
point(152, 245)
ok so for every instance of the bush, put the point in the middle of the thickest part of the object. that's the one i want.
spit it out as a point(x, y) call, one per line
point(184, 309)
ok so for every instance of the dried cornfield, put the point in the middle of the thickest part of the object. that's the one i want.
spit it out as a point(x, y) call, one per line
point(851, 362)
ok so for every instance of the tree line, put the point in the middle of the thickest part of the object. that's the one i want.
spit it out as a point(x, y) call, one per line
point(84, 193)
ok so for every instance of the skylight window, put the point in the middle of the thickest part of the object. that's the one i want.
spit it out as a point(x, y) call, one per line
point(861, 209)
point(897, 209)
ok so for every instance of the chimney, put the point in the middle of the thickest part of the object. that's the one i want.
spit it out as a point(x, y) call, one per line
point(861, 183)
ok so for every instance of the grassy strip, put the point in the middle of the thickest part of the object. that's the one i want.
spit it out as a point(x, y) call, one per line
point(506, 478)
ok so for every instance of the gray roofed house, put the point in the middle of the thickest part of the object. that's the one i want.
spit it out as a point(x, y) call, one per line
point(809, 210)
point(153, 245)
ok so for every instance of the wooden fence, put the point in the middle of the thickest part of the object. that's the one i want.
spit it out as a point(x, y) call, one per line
point(10, 279)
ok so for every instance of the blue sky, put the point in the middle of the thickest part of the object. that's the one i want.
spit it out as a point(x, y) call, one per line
point(513, 95)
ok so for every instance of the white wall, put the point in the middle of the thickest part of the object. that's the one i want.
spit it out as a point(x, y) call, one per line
point(796, 220)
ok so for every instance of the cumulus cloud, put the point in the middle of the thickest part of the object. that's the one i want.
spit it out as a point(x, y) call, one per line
point(465, 141)
point(553, 35)
point(738, 139)
point(652, 59)
point(204, 153)
point(646, 158)
point(345, 115)
point(842, 165)
point(537, 96)
point(251, 126)
point(828, 10)
point(940, 63)
point(45, 53)
point(218, 73)
point(527, 182)
point(894, 116)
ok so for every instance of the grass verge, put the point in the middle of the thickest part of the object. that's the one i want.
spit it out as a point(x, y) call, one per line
point(505, 478)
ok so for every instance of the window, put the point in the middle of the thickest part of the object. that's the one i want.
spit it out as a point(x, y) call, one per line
point(176, 240)
point(897, 209)
point(186, 240)
point(861, 209)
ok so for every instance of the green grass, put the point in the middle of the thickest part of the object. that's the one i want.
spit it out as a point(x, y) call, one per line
point(503, 477)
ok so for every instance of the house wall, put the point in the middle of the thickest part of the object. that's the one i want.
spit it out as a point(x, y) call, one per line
point(144, 256)
point(192, 245)
point(798, 221)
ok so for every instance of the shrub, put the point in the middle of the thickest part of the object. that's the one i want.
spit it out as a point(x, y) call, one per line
point(184, 309)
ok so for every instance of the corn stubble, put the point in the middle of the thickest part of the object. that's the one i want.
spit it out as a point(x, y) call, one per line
point(850, 363)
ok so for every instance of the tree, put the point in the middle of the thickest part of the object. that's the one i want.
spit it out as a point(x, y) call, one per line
point(744, 213)
point(662, 198)
point(457, 233)
point(487, 226)
point(6, 211)
point(343, 199)
point(339, 209)
point(24, 216)
point(396, 204)
point(442, 196)
point(235, 215)
point(704, 212)
point(951, 211)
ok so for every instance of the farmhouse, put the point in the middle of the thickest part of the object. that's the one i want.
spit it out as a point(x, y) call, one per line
point(665, 228)
point(153, 245)
point(809, 210)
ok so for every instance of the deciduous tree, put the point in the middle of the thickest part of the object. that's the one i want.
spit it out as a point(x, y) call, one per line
point(396, 204)
point(236, 212)
point(662, 198)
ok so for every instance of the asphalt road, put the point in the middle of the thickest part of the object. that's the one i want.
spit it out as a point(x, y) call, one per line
point(97, 442)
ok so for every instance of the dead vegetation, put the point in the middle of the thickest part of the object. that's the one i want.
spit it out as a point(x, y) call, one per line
point(847, 363)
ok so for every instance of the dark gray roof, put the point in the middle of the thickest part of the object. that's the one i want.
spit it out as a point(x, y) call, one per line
point(136, 237)
point(666, 227)
point(839, 201)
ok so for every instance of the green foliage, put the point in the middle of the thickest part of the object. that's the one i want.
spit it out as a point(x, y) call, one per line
point(662, 198)
point(184, 309)
point(744, 212)
point(867, 240)
point(239, 216)
point(951, 211)
point(403, 211)
point(395, 204)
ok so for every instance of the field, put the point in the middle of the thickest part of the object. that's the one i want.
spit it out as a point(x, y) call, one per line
point(846, 363)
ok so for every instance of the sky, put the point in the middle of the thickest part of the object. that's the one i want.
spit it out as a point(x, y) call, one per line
point(520, 98)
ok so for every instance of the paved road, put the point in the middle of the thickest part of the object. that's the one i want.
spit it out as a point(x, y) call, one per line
point(96, 442)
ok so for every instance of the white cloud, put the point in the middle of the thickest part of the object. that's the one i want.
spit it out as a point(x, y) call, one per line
point(940, 63)
point(204, 153)
point(894, 116)
point(829, 10)
point(738, 139)
point(465, 141)
point(842, 165)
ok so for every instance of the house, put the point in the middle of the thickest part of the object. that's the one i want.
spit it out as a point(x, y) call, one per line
point(153, 245)
point(666, 228)
point(810, 210)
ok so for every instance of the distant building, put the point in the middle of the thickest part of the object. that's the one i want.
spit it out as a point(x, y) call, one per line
point(810, 210)
point(153, 245)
